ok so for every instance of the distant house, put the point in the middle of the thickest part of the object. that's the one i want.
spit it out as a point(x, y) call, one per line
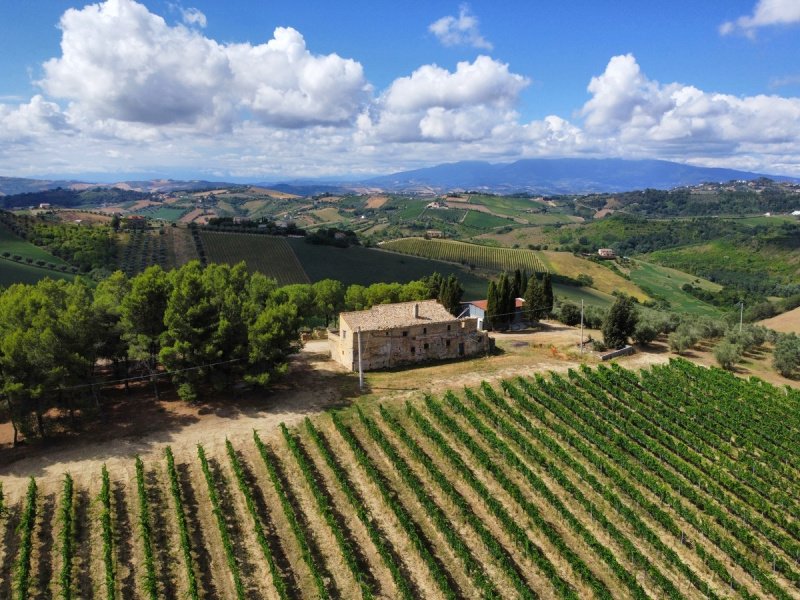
point(477, 310)
point(434, 233)
point(606, 253)
point(404, 333)
point(240, 220)
point(134, 222)
point(44, 205)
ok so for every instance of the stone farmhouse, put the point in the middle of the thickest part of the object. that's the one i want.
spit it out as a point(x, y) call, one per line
point(405, 333)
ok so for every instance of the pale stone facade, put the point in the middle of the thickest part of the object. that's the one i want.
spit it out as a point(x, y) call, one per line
point(405, 333)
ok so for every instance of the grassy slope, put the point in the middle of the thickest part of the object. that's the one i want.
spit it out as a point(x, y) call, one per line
point(605, 280)
point(588, 295)
point(666, 283)
point(269, 255)
point(365, 266)
point(10, 242)
point(722, 258)
point(788, 322)
point(12, 272)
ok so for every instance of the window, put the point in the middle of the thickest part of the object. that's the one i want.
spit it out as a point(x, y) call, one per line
point(405, 334)
point(413, 350)
point(424, 330)
point(425, 346)
point(448, 328)
point(447, 343)
point(344, 334)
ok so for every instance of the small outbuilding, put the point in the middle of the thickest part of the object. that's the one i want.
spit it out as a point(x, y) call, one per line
point(477, 309)
point(404, 333)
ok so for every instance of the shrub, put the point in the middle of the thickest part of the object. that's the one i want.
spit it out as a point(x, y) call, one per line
point(727, 354)
point(786, 357)
point(646, 331)
point(569, 314)
point(620, 323)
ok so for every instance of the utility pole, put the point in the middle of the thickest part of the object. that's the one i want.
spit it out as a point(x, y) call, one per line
point(741, 315)
point(360, 369)
point(581, 326)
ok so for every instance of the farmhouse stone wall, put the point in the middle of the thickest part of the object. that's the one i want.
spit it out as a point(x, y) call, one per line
point(418, 339)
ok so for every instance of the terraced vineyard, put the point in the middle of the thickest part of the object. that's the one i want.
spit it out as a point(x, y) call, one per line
point(483, 257)
point(677, 482)
point(270, 255)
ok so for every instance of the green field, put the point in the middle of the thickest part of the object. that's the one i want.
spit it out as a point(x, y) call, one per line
point(730, 263)
point(269, 255)
point(589, 295)
point(10, 242)
point(675, 482)
point(165, 213)
point(666, 283)
point(367, 265)
point(13, 272)
point(482, 220)
point(482, 257)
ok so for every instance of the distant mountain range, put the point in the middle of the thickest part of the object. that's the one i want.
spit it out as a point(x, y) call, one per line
point(538, 176)
point(559, 176)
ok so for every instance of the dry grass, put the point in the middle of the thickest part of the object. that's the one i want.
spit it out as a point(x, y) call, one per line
point(788, 322)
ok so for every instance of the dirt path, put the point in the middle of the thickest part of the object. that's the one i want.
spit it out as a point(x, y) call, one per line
point(142, 425)
point(314, 385)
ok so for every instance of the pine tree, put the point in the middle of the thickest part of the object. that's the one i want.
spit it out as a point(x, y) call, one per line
point(523, 287)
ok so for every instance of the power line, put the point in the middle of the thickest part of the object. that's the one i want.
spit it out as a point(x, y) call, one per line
point(141, 377)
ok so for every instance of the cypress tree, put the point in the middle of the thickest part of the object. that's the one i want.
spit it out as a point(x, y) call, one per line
point(547, 293)
point(534, 300)
point(491, 306)
point(517, 290)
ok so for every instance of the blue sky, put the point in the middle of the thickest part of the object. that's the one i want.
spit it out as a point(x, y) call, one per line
point(250, 89)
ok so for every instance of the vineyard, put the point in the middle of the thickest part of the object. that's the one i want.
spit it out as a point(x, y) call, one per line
point(270, 255)
point(482, 257)
point(675, 482)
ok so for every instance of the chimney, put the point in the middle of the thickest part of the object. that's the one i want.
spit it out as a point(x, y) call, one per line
point(416, 311)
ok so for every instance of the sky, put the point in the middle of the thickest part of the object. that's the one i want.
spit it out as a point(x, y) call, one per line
point(261, 90)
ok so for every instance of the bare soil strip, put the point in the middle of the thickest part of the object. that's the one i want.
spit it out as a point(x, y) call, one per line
point(255, 573)
point(202, 560)
point(43, 544)
point(437, 543)
point(219, 573)
point(165, 535)
point(321, 533)
point(367, 556)
point(411, 561)
point(290, 560)
point(10, 541)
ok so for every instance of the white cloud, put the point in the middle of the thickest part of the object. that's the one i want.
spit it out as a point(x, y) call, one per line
point(628, 105)
point(637, 116)
point(122, 63)
point(462, 30)
point(766, 13)
point(131, 93)
point(193, 16)
point(436, 104)
point(32, 119)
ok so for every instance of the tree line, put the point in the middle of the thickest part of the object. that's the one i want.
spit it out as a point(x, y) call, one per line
point(501, 298)
point(202, 328)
